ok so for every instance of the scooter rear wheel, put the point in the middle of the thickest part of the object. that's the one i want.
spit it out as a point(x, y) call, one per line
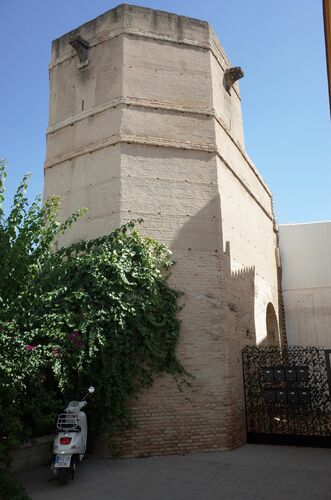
point(64, 475)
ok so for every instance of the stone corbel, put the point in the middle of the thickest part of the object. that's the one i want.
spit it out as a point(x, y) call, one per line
point(231, 75)
point(81, 46)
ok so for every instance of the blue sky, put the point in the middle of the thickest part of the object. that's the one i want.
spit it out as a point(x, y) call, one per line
point(278, 43)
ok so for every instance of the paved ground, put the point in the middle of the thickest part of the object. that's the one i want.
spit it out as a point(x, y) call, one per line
point(258, 472)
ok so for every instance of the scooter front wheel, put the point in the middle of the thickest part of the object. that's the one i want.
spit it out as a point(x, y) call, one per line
point(64, 475)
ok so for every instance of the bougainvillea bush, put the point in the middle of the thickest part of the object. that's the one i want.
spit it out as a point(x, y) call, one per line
point(97, 312)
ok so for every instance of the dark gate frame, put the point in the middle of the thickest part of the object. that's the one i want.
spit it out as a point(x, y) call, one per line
point(287, 395)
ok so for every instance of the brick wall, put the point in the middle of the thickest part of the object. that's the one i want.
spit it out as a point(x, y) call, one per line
point(159, 137)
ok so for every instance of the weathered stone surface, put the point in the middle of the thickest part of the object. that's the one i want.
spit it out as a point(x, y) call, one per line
point(31, 454)
point(148, 129)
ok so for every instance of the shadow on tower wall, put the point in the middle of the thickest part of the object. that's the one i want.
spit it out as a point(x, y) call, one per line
point(218, 315)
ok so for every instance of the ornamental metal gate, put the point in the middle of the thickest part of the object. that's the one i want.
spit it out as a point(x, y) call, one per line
point(287, 395)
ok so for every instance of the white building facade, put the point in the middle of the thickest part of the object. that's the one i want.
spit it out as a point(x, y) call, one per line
point(306, 279)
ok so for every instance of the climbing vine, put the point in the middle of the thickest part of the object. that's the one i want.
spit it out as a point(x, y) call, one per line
point(99, 312)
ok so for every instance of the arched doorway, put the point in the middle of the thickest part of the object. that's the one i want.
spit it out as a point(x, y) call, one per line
point(272, 326)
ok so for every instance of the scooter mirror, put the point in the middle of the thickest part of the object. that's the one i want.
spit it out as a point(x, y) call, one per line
point(91, 389)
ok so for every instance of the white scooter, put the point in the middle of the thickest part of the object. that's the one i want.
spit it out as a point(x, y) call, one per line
point(70, 441)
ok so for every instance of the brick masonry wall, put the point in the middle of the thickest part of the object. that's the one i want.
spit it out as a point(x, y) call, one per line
point(159, 137)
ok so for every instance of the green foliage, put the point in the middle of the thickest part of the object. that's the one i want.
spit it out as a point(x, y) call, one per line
point(26, 239)
point(11, 489)
point(110, 317)
point(98, 312)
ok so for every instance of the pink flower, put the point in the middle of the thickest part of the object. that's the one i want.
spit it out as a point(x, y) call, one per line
point(56, 352)
point(30, 347)
point(75, 339)
point(73, 335)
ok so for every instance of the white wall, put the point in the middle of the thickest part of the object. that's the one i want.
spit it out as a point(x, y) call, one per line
point(306, 263)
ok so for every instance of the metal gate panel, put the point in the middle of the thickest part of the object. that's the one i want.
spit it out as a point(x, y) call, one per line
point(287, 394)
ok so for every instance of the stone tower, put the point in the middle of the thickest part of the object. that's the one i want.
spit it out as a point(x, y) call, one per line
point(145, 121)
